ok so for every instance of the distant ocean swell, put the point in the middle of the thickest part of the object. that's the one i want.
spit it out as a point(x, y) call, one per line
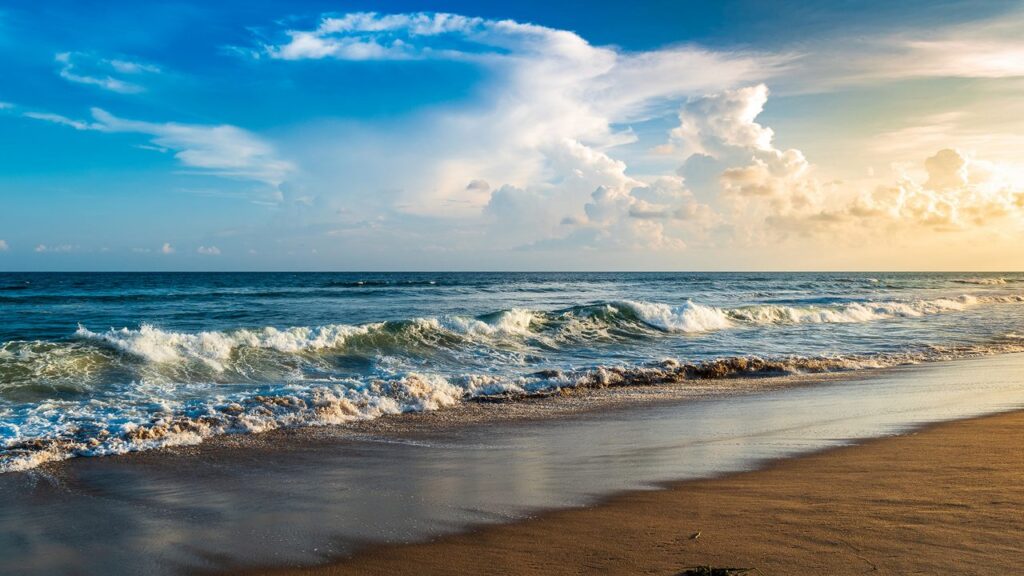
point(294, 376)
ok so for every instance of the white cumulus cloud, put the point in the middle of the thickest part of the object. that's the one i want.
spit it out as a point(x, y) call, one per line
point(769, 191)
point(541, 138)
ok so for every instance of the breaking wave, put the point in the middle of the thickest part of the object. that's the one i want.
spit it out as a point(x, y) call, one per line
point(379, 283)
point(108, 429)
point(270, 353)
point(981, 281)
point(212, 347)
point(126, 389)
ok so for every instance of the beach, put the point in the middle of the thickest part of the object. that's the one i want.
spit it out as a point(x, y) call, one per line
point(511, 288)
point(943, 500)
point(234, 423)
point(606, 480)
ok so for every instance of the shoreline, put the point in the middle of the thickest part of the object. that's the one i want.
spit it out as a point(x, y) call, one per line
point(942, 498)
point(427, 424)
point(302, 497)
point(570, 402)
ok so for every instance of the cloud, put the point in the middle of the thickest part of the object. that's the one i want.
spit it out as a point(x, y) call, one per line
point(97, 71)
point(985, 49)
point(3, 246)
point(129, 67)
point(208, 250)
point(41, 248)
point(947, 169)
point(960, 193)
point(722, 127)
point(62, 120)
point(774, 192)
point(710, 123)
point(6, 105)
point(551, 147)
point(619, 212)
point(980, 49)
point(539, 139)
point(369, 36)
point(167, 248)
point(219, 150)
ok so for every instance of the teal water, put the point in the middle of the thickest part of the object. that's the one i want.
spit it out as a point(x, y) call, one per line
point(94, 364)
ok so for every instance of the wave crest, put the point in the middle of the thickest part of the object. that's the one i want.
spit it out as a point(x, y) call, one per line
point(981, 281)
point(219, 351)
point(350, 400)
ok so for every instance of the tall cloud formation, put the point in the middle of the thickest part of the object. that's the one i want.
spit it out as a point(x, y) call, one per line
point(542, 153)
point(536, 151)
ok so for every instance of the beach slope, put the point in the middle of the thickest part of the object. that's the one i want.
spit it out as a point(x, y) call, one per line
point(947, 499)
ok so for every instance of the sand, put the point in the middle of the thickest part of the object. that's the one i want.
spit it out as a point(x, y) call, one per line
point(948, 499)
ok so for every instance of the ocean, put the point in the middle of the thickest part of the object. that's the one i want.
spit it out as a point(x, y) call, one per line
point(99, 364)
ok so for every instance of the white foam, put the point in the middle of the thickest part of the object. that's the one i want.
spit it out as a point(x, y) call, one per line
point(688, 317)
point(852, 312)
point(516, 321)
point(215, 348)
point(691, 317)
point(982, 281)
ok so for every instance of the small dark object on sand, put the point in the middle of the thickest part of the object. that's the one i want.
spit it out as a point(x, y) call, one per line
point(709, 571)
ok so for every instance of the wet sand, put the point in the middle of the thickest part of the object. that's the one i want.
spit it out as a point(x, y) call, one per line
point(948, 499)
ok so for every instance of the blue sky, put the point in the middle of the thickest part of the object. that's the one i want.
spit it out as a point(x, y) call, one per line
point(527, 135)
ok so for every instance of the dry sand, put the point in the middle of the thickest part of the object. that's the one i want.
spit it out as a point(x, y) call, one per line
point(946, 500)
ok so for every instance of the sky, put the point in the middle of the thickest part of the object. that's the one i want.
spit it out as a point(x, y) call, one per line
point(448, 135)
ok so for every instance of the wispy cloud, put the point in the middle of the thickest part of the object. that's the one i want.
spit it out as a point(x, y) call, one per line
point(208, 251)
point(372, 36)
point(83, 68)
point(985, 49)
point(62, 120)
point(220, 150)
point(4, 247)
point(60, 248)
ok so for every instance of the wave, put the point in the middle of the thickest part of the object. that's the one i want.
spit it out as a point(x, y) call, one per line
point(982, 281)
point(273, 354)
point(245, 350)
point(692, 317)
point(126, 389)
point(688, 317)
point(98, 428)
point(379, 283)
point(216, 350)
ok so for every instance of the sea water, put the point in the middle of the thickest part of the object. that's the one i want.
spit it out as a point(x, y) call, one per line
point(94, 364)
